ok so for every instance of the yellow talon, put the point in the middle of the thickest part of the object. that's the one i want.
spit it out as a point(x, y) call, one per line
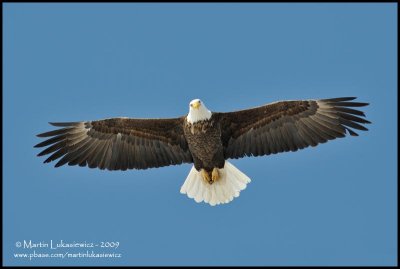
point(210, 178)
point(215, 174)
point(206, 176)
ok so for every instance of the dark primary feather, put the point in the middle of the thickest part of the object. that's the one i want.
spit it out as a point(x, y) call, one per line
point(289, 126)
point(117, 144)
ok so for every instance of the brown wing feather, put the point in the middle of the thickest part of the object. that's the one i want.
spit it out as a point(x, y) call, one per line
point(289, 126)
point(117, 143)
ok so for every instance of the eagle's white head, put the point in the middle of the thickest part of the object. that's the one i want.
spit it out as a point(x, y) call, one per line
point(198, 111)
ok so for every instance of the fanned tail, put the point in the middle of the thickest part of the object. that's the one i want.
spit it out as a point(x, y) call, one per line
point(222, 191)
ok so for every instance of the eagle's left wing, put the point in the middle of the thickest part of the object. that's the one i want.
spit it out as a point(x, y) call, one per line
point(118, 143)
point(288, 126)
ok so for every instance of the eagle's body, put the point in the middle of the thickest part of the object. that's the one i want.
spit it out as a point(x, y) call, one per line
point(206, 139)
point(205, 144)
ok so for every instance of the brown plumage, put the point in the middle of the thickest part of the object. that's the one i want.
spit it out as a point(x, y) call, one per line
point(118, 144)
point(288, 126)
point(204, 140)
point(122, 143)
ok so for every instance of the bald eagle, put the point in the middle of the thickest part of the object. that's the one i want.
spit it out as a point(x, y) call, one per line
point(206, 139)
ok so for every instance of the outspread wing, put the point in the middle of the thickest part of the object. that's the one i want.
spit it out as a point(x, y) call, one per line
point(289, 126)
point(118, 143)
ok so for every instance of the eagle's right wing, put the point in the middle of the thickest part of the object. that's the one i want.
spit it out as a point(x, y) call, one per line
point(118, 143)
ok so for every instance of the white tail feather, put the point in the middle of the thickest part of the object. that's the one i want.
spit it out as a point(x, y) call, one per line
point(222, 191)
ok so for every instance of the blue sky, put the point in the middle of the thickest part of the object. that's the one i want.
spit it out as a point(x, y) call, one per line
point(330, 205)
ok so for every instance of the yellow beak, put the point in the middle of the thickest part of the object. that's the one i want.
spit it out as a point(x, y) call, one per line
point(196, 104)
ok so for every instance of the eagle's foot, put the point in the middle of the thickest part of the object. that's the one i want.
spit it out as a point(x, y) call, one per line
point(215, 174)
point(206, 176)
